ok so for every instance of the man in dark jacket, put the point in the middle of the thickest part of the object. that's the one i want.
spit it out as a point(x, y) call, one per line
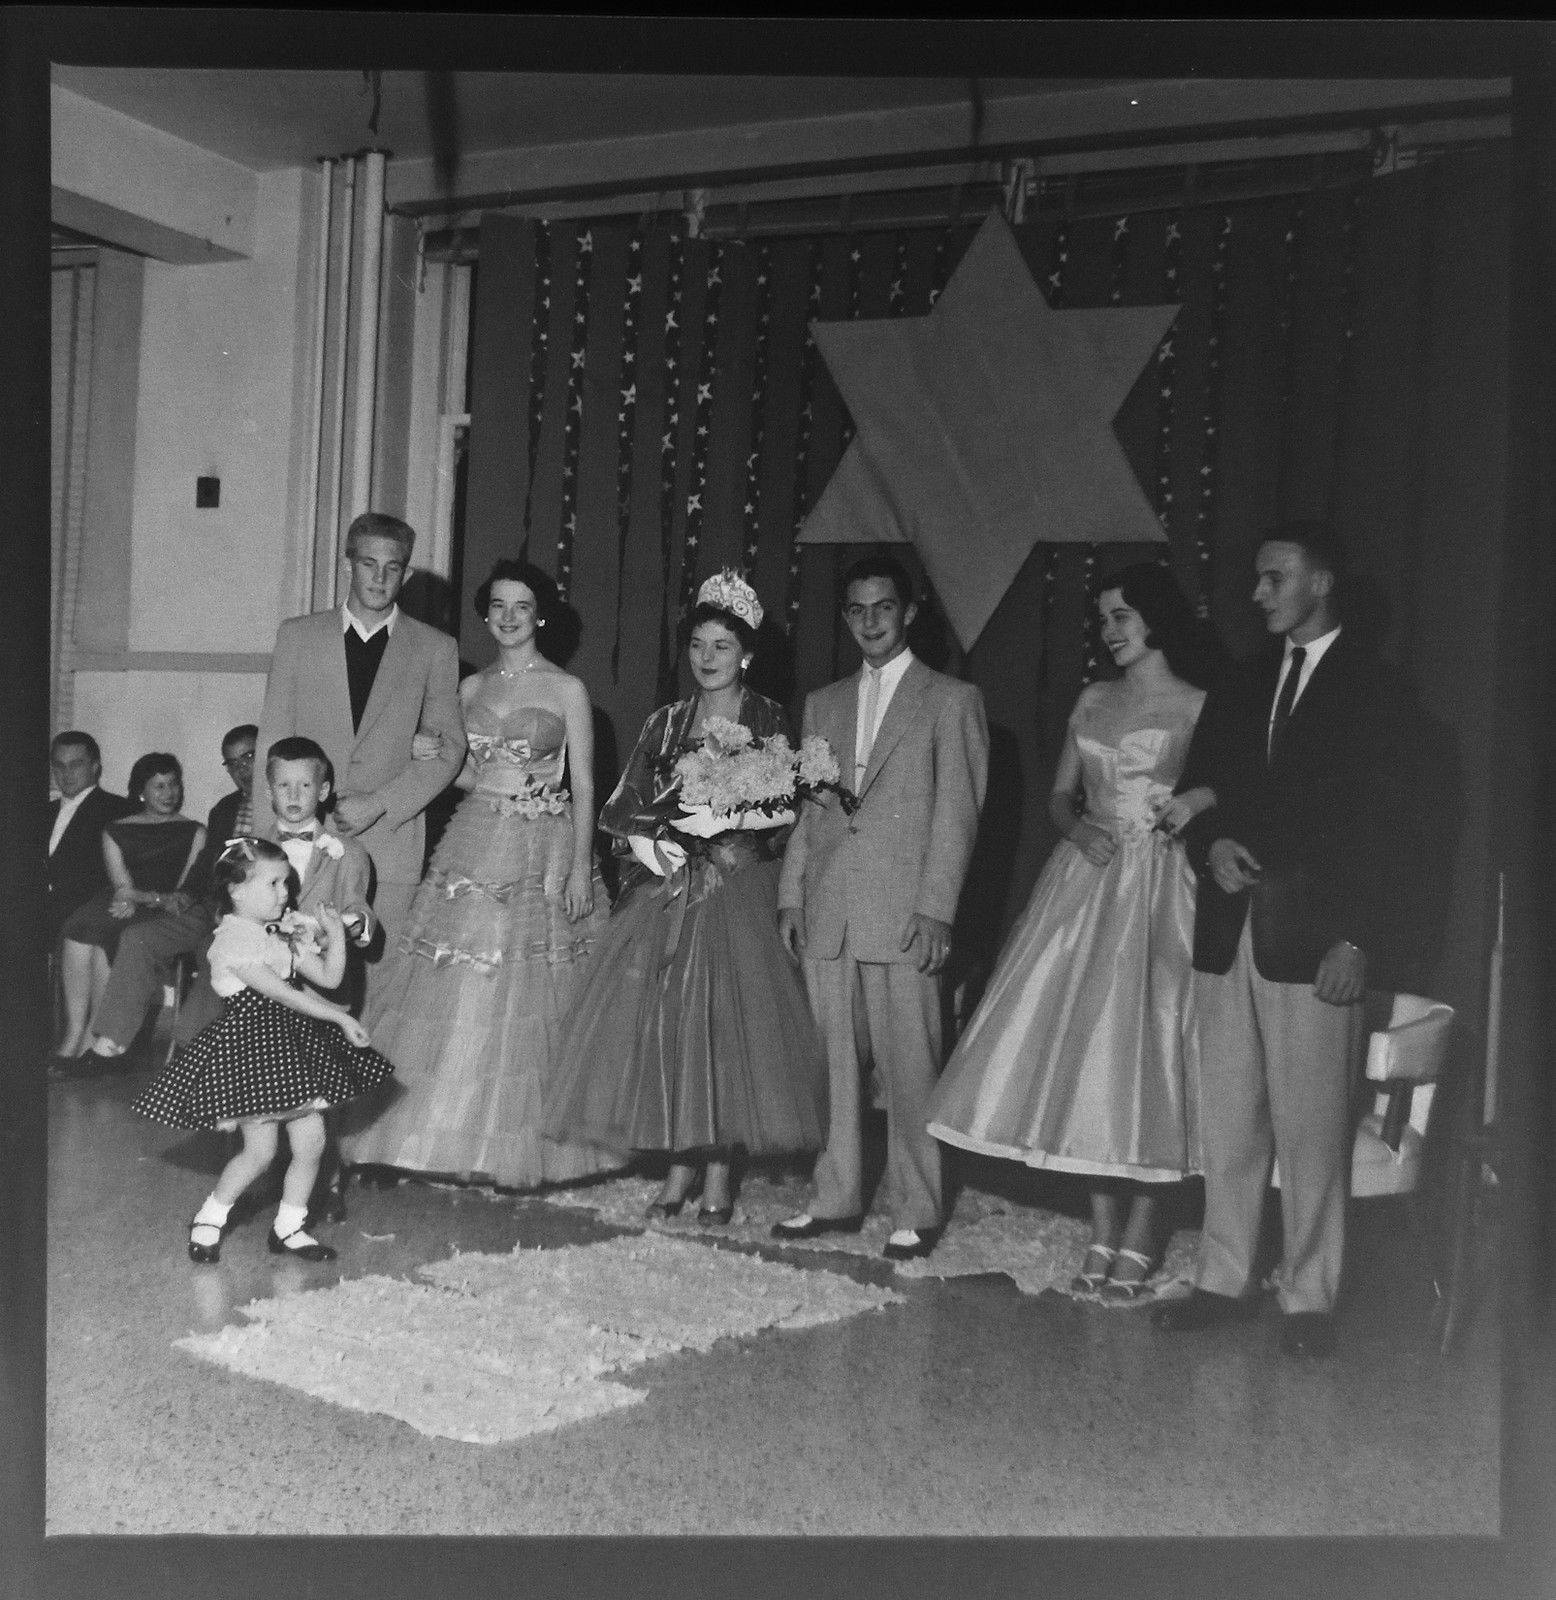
point(76, 822)
point(1295, 863)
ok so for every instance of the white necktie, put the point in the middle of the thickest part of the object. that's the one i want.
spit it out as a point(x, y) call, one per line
point(872, 699)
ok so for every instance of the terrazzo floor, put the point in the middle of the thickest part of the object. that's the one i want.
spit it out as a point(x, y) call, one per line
point(967, 1408)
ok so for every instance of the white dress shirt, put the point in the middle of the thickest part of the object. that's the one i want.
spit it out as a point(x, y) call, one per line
point(1315, 653)
point(864, 737)
point(67, 809)
point(349, 619)
point(300, 851)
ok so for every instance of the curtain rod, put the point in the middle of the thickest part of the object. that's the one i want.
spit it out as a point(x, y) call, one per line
point(950, 204)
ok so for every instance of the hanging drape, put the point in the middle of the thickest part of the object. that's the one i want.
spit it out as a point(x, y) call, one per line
point(1338, 354)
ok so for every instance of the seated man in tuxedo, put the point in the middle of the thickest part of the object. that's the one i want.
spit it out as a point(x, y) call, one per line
point(1298, 863)
point(148, 949)
point(77, 870)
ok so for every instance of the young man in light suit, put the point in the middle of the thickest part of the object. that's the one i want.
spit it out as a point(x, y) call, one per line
point(359, 680)
point(866, 901)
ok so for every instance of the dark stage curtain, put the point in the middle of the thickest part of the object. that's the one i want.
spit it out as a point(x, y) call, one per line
point(646, 408)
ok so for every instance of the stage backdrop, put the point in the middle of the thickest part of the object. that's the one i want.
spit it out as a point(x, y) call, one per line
point(648, 407)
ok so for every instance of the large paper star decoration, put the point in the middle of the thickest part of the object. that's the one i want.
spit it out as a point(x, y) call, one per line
point(986, 426)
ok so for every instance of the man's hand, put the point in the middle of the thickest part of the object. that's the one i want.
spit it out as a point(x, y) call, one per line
point(1233, 868)
point(1096, 844)
point(791, 929)
point(357, 813)
point(121, 910)
point(1342, 975)
point(933, 939)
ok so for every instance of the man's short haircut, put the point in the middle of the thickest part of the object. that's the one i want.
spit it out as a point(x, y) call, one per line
point(1319, 541)
point(295, 747)
point(244, 730)
point(380, 525)
point(878, 564)
point(75, 736)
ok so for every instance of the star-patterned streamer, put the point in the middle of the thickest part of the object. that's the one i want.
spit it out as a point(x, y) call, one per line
point(667, 459)
point(1118, 266)
point(702, 424)
point(1056, 286)
point(764, 323)
point(626, 415)
point(1288, 339)
point(897, 294)
point(1349, 247)
point(940, 267)
point(847, 437)
point(802, 441)
point(1210, 422)
point(573, 428)
point(1166, 375)
point(540, 331)
point(986, 426)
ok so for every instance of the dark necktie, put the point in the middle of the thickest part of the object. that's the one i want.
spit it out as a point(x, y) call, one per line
point(1287, 698)
point(282, 833)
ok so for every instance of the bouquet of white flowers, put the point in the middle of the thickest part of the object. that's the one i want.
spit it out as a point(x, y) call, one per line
point(735, 781)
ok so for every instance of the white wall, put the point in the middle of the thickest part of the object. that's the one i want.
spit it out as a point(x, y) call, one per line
point(221, 394)
point(187, 713)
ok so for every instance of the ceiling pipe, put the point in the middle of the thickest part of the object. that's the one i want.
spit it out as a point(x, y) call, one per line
point(342, 332)
point(367, 332)
point(320, 334)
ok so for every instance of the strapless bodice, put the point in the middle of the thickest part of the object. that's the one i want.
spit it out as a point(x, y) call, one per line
point(530, 743)
point(1126, 775)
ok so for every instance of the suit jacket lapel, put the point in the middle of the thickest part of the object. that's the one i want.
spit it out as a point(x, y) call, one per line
point(843, 731)
point(329, 647)
point(904, 702)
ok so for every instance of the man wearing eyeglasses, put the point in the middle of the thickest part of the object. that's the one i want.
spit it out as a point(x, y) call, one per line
point(868, 896)
point(148, 949)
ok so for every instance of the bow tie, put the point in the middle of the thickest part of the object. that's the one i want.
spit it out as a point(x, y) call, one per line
point(283, 835)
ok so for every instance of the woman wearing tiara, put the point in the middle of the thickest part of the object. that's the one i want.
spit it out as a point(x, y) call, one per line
point(692, 1035)
point(1083, 1055)
point(502, 928)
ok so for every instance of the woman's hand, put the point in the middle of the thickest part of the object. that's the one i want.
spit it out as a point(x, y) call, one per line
point(578, 896)
point(1096, 844)
point(354, 1031)
point(426, 746)
point(120, 908)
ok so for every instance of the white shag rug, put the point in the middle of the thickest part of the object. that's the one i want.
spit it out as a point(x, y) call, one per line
point(494, 1347)
point(1037, 1249)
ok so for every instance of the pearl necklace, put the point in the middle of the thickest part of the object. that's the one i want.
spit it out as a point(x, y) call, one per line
point(518, 672)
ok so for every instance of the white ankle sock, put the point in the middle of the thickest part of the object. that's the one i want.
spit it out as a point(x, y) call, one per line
point(213, 1214)
point(289, 1219)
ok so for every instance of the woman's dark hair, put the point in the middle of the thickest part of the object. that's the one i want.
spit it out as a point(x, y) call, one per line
point(235, 865)
point(540, 584)
point(706, 611)
point(1192, 650)
point(152, 765)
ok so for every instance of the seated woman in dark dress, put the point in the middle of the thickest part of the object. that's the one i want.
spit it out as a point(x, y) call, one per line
point(148, 854)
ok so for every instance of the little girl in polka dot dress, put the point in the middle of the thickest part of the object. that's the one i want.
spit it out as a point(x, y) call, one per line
point(278, 1054)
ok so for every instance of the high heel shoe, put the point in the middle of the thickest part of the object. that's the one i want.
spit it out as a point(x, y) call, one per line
point(1085, 1282)
point(312, 1251)
point(659, 1210)
point(718, 1216)
point(1127, 1289)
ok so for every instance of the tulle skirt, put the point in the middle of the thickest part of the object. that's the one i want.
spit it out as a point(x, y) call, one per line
point(1083, 1055)
point(693, 1031)
point(487, 965)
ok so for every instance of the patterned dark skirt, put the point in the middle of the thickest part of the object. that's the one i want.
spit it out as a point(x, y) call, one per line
point(260, 1061)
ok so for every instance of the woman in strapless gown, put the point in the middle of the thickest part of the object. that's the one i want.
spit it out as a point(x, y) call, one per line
point(502, 928)
point(1083, 1055)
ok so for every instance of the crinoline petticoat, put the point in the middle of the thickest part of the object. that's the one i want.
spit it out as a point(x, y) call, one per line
point(487, 966)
